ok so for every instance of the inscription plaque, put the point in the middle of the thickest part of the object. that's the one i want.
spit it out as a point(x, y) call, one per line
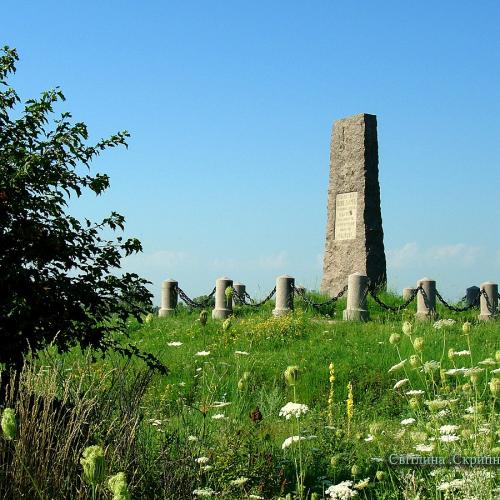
point(346, 205)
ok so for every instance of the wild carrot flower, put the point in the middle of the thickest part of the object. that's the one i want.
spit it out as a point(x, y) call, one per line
point(240, 481)
point(408, 421)
point(9, 424)
point(466, 328)
point(448, 429)
point(204, 492)
point(418, 344)
point(291, 375)
point(202, 460)
point(203, 317)
point(397, 366)
point(448, 438)
point(290, 440)
point(174, 344)
point(93, 464)
point(400, 383)
point(226, 325)
point(361, 485)
point(293, 410)
point(203, 353)
point(414, 392)
point(341, 491)
point(424, 448)
point(495, 386)
point(407, 328)
point(395, 339)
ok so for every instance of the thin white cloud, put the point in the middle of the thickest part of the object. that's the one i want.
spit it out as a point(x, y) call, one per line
point(410, 254)
point(459, 253)
point(274, 261)
point(402, 257)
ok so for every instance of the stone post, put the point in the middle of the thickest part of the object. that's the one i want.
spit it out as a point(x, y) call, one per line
point(472, 295)
point(356, 298)
point(407, 293)
point(223, 307)
point(489, 303)
point(240, 289)
point(284, 295)
point(168, 298)
point(426, 300)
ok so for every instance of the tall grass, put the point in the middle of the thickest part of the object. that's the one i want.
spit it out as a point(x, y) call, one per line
point(213, 425)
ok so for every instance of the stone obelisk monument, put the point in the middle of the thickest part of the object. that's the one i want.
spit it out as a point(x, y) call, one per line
point(354, 235)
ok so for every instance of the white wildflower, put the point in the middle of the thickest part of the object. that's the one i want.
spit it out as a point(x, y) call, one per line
point(443, 323)
point(192, 438)
point(293, 410)
point(400, 383)
point(460, 354)
point(341, 491)
point(488, 362)
point(415, 392)
point(443, 413)
point(256, 497)
point(204, 492)
point(430, 366)
point(201, 460)
point(240, 481)
point(218, 416)
point(369, 438)
point(495, 371)
point(473, 371)
point(449, 438)
point(202, 353)
point(290, 440)
point(448, 429)
point(424, 448)
point(455, 371)
point(174, 344)
point(241, 353)
point(362, 484)
point(220, 404)
point(408, 421)
point(397, 366)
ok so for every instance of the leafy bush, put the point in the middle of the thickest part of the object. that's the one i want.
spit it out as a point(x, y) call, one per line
point(55, 271)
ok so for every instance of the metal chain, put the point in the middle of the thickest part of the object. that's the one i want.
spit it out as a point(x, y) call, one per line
point(191, 302)
point(488, 303)
point(452, 308)
point(399, 308)
point(252, 303)
point(317, 305)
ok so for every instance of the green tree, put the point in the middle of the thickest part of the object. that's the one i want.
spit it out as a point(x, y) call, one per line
point(56, 279)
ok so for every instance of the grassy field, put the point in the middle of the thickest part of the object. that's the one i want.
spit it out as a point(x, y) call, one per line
point(212, 427)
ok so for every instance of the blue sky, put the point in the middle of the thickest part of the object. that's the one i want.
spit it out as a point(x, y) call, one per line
point(230, 107)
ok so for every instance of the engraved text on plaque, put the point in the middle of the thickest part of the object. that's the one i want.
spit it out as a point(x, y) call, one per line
point(345, 216)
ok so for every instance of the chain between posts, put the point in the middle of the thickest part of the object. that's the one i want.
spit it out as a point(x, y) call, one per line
point(191, 302)
point(489, 304)
point(244, 300)
point(453, 308)
point(399, 308)
point(318, 305)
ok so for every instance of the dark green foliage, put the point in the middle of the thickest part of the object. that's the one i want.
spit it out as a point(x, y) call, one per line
point(56, 277)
